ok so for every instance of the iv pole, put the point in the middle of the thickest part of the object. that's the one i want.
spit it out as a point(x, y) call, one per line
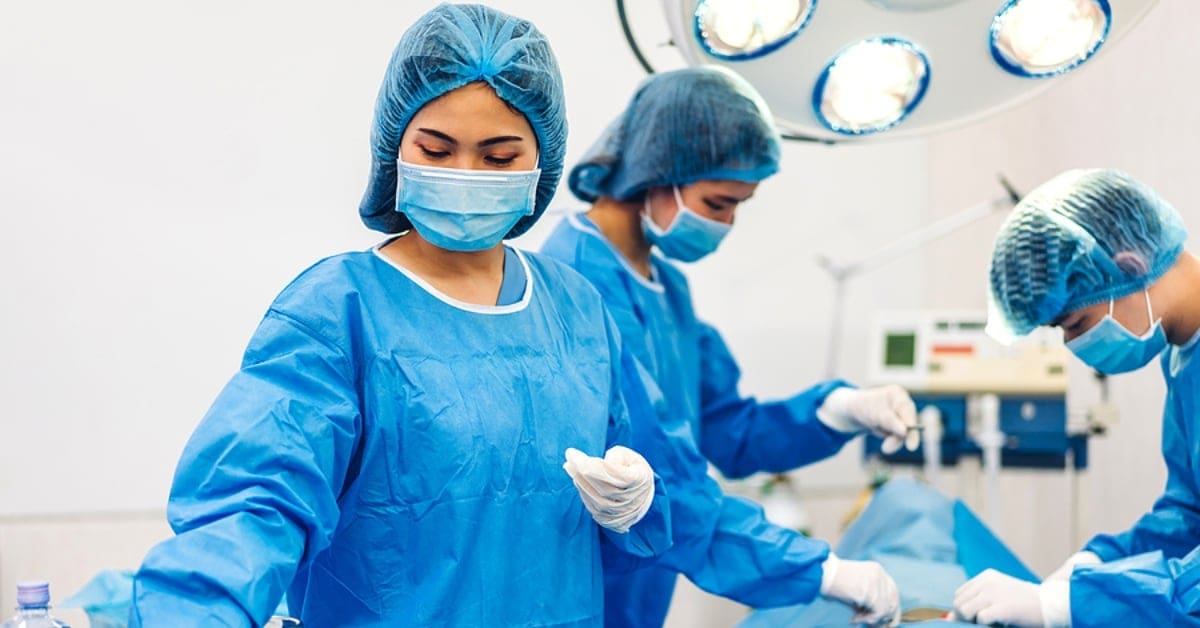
point(842, 272)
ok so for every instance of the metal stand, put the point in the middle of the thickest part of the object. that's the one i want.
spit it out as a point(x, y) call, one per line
point(841, 272)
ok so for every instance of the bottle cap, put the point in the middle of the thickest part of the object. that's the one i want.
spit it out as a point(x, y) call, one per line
point(33, 594)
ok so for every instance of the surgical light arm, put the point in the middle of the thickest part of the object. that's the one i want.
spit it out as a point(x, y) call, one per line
point(843, 271)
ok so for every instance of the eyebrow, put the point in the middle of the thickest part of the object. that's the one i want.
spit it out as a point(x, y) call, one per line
point(488, 142)
point(500, 140)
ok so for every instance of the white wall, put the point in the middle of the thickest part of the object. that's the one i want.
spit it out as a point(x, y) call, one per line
point(1131, 108)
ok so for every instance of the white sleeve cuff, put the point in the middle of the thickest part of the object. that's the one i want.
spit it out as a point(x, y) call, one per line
point(828, 573)
point(1085, 558)
point(1055, 597)
point(835, 411)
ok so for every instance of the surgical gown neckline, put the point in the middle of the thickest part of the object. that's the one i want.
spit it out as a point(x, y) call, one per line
point(463, 305)
point(1182, 354)
point(582, 223)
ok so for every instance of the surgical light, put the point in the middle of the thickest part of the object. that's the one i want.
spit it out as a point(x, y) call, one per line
point(1041, 38)
point(981, 53)
point(745, 29)
point(871, 86)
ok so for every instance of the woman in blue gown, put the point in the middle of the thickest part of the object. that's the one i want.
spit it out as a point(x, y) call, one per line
point(670, 174)
point(391, 451)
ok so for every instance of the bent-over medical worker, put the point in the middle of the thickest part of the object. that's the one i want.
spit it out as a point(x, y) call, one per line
point(664, 182)
point(392, 450)
point(1100, 255)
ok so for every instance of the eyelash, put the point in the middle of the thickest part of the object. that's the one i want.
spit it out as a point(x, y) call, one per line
point(491, 159)
point(500, 161)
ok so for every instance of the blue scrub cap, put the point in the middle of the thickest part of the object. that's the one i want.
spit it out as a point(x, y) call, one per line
point(447, 48)
point(1084, 237)
point(681, 126)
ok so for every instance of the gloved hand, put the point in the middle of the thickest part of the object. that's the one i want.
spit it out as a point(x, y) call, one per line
point(996, 598)
point(1079, 558)
point(617, 489)
point(887, 411)
point(865, 587)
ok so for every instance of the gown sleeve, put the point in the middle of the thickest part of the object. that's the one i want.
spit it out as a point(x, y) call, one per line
point(650, 536)
point(742, 435)
point(1173, 523)
point(1151, 572)
point(257, 486)
point(1140, 590)
point(724, 544)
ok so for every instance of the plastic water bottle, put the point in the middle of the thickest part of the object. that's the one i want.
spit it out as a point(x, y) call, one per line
point(33, 607)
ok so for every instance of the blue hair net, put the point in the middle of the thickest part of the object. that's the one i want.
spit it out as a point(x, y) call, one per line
point(1084, 237)
point(447, 48)
point(681, 126)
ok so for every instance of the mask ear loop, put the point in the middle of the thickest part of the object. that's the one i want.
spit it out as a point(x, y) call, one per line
point(680, 208)
point(650, 217)
point(678, 198)
point(537, 167)
point(1149, 310)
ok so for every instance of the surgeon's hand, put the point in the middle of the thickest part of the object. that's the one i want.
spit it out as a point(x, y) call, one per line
point(617, 489)
point(887, 411)
point(865, 587)
point(996, 598)
point(1068, 567)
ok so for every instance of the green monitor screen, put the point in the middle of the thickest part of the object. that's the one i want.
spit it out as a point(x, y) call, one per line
point(900, 350)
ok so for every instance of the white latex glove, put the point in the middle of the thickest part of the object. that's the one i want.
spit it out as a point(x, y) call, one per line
point(995, 598)
point(865, 587)
point(1080, 558)
point(617, 489)
point(887, 411)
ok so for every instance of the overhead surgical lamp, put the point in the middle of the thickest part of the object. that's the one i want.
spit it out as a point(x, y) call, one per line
point(835, 70)
point(871, 86)
point(1041, 38)
point(744, 29)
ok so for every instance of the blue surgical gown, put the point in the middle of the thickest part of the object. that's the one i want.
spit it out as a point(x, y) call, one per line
point(722, 543)
point(1152, 570)
point(390, 456)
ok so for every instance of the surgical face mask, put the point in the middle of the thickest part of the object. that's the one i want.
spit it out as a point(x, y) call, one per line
point(689, 237)
point(1110, 348)
point(465, 210)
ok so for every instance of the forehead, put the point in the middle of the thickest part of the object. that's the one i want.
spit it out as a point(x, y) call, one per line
point(473, 110)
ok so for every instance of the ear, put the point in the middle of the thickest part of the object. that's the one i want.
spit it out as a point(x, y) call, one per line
point(655, 194)
point(1132, 263)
